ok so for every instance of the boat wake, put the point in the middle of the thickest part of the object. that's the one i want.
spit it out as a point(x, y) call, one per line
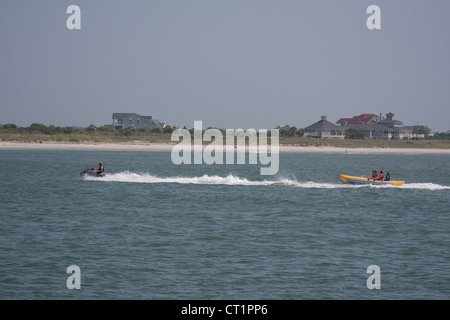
point(424, 186)
point(131, 177)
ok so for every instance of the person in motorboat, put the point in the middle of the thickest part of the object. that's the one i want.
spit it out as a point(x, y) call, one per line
point(100, 169)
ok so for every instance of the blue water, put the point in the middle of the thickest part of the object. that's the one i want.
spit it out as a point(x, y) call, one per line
point(154, 230)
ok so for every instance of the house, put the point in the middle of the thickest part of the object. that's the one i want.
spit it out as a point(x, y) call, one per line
point(376, 131)
point(386, 128)
point(125, 120)
point(391, 122)
point(323, 129)
point(365, 118)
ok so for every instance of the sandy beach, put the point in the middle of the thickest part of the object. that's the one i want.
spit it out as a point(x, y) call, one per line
point(141, 146)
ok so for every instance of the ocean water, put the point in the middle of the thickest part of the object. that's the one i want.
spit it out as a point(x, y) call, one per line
point(154, 230)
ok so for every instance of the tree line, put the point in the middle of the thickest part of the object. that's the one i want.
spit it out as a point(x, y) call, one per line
point(53, 130)
point(286, 131)
point(91, 129)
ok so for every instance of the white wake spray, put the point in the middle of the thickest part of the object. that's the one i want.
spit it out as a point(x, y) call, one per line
point(230, 179)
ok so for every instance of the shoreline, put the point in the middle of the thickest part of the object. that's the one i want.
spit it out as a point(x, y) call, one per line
point(141, 146)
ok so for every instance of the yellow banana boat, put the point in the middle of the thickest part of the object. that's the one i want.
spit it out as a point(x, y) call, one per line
point(362, 180)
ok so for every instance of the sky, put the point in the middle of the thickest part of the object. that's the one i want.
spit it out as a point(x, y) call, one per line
point(229, 63)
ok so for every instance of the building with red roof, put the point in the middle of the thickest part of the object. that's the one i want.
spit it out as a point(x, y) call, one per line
point(365, 118)
point(369, 125)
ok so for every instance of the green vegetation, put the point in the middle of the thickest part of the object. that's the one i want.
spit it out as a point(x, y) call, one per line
point(292, 131)
point(424, 131)
point(292, 136)
point(38, 132)
point(354, 134)
point(365, 143)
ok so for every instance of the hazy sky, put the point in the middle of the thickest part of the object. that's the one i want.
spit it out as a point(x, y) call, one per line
point(230, 63)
